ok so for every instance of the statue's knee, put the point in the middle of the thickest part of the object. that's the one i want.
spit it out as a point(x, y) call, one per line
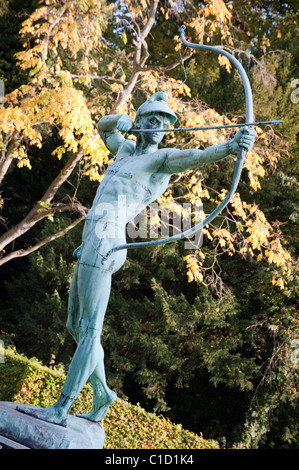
point(90, 334)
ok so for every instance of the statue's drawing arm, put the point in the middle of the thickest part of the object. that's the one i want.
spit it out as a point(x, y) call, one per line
point(108, 127)
point(181, 160)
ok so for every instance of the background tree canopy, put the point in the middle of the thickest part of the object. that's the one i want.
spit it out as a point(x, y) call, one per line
point(206, 336)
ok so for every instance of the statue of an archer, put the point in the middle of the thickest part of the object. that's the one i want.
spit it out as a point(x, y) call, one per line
point(138, 176)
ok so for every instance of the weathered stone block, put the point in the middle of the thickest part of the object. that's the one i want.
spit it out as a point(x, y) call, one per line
point(79, 433)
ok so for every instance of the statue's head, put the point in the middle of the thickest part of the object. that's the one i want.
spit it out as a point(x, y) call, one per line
point(156, 104)
point(154, 113)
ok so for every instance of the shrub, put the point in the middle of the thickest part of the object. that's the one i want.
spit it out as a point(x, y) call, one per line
point(127, 426)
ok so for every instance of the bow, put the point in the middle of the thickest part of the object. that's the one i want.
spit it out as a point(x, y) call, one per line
point(240, 158)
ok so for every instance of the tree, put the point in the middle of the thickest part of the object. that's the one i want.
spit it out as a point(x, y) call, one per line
point(230, 334)
point(64, 53)
point(49, 100)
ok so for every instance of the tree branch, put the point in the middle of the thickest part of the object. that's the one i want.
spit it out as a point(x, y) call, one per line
point(98, 77)
point(44, 51)
point(166, 68)
point(42, 213)
point(63, 175)
point(139, 60)
point(35, 215)
point(22, 252)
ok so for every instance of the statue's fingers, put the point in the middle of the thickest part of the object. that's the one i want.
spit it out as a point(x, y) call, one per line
point(245, 129)
point(249, 131)
point(247, 139)
point(245, 146)
point(252, 131)
point(246, 143)
point(123, 127)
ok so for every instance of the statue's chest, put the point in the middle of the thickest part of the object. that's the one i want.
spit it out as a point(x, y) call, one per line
point(141, 175)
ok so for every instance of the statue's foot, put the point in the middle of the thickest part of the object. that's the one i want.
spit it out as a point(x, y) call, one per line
point(99, 410)
point(51, 415)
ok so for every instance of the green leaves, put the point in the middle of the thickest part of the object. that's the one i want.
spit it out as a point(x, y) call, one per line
point(163, 338)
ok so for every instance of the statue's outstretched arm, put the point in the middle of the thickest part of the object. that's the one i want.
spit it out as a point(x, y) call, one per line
point(182, 160)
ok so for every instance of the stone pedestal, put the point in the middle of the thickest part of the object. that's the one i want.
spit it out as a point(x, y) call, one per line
point(33, 433)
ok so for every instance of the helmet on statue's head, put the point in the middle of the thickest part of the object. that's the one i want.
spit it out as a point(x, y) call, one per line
point(156, 104)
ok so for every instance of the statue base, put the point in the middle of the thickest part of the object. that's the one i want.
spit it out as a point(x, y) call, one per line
point(33, 433)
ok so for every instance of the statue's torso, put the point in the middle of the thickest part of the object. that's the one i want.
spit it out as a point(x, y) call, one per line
point(129, 185)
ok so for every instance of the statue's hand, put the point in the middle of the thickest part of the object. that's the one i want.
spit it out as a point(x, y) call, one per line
point(245, 138)
point(125, 123)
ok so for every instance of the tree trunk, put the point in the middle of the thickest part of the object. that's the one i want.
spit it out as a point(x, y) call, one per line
point(7, 157)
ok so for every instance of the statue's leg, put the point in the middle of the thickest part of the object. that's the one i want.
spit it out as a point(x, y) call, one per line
point(94, 291)
point(103, 396)
point(74, 310)
point(94, 285)
point(52, 414)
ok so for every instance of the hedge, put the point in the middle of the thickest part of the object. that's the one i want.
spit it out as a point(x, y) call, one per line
point(126, 426)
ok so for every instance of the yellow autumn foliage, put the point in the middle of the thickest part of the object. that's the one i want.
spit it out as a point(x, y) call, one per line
point(58, 33)
point(194, 272)
point(65, 107)
point(51, 97)
point(215, 15)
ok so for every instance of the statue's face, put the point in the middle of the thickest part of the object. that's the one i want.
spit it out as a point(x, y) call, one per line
point(153, 121)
